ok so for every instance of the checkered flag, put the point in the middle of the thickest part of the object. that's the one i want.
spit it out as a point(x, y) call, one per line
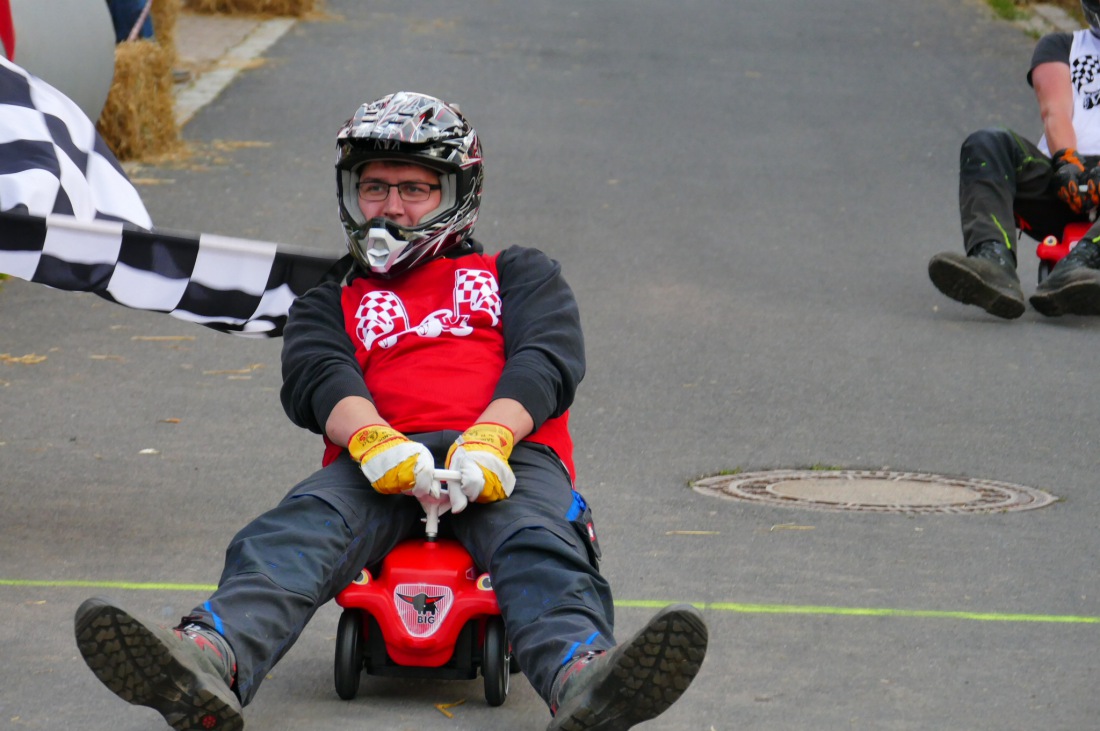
point(231, 285)
point(52, 160)
point(70, 219)
point(476, 290)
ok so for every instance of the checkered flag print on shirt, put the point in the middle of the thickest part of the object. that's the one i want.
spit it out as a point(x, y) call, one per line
point(381, 315)
point(476, 290)
point(71, 219)
point(1084, 71)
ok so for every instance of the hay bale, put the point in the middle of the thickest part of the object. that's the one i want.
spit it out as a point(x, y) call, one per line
point(293, 8)
point(138, 119)
point(165, 14)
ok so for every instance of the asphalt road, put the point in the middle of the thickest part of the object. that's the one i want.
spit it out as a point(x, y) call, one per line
point(744, 196)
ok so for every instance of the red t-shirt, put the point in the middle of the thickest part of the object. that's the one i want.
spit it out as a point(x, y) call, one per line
point(431, 348)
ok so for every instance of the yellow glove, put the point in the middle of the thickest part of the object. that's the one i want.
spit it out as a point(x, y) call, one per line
point(481, 455)
point(392, 462)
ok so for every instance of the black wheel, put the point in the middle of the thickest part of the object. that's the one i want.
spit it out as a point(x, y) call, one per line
point(495, 662)
point(1044, 269)
point(349, 653)
point(513, 663)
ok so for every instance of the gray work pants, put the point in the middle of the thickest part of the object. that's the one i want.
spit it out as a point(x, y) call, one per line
point(536, 546)
point(1005, 184)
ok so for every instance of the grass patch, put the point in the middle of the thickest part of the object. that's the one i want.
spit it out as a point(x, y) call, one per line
point(1008, 9)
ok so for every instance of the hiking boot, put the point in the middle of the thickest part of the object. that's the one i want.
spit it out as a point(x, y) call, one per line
point(1073, 286)
point(632, 682)
point(185, 673)
point(985, 277)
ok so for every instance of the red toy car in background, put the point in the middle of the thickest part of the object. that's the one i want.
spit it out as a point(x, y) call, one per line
point(1051, 250)
point(425, 612)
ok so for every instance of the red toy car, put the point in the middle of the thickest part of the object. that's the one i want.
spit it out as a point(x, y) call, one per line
point(1051, 251)
point(426, 612)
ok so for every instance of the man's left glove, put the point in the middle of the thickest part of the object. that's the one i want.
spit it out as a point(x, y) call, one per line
point(481, 455)
point(392, 462)
point(1069, 176)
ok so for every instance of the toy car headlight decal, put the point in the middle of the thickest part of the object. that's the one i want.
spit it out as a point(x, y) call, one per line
point(484, 583)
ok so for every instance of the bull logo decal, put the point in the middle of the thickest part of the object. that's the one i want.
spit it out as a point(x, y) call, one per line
point(423, 604)
point(422, 607)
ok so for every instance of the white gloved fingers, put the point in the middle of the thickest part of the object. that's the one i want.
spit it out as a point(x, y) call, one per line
point(424, 486)
point(471, 481)
point(491, 463)
point(473, 477)
point(458, 498)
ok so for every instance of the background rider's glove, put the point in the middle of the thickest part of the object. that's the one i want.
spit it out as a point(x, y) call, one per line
point(481, 455)
point(1069, 176)
point(392, 462)
point(1092, 180)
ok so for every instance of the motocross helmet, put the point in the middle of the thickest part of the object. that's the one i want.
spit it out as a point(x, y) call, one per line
point(1091, 10)
point(414, 129)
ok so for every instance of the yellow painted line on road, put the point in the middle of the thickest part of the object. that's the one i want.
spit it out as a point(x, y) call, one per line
point(731, 607)
point(865, 612)
point(128, 585)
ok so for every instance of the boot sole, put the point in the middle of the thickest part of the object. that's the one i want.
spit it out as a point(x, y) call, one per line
point(1078, 297)
point(647, 675)
point(962, 284)
point(132, 661)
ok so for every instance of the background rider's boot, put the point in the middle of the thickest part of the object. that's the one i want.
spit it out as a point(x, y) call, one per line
point(985, 277)
point(1073, 286)
point(632, 682)
point(185, 673)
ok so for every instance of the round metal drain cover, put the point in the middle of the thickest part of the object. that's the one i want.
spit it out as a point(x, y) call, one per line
point(874, 491)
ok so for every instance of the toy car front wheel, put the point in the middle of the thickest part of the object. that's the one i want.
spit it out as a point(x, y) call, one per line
point(495, 662)
point(349, 653)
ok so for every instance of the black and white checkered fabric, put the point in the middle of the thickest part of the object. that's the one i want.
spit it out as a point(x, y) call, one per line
point(52, 160)
point(71, 219)
point(233, 285)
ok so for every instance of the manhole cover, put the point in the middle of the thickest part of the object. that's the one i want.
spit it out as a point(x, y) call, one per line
point(874, 491)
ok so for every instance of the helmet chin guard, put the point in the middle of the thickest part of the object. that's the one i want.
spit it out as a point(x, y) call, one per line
point(382, 246)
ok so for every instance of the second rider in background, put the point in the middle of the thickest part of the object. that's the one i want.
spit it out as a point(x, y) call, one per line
point(1006, 183)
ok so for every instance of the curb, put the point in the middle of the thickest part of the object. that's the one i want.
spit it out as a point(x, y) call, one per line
point(1047, 18)
point(204, 89)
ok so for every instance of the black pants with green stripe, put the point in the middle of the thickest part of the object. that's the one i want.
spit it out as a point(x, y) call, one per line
point(1005, 185)
point(538, 546)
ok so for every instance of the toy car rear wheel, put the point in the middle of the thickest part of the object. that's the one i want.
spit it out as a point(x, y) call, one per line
point(349, 653)
point(495, 662)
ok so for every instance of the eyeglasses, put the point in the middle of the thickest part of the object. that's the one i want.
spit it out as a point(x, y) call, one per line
point(410, 192)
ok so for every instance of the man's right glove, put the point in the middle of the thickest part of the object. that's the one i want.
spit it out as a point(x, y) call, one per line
point(392, 462)
point(1069, 176)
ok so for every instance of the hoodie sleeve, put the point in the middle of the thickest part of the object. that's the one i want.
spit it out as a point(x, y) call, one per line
point(543, 343)
point(318, 359)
